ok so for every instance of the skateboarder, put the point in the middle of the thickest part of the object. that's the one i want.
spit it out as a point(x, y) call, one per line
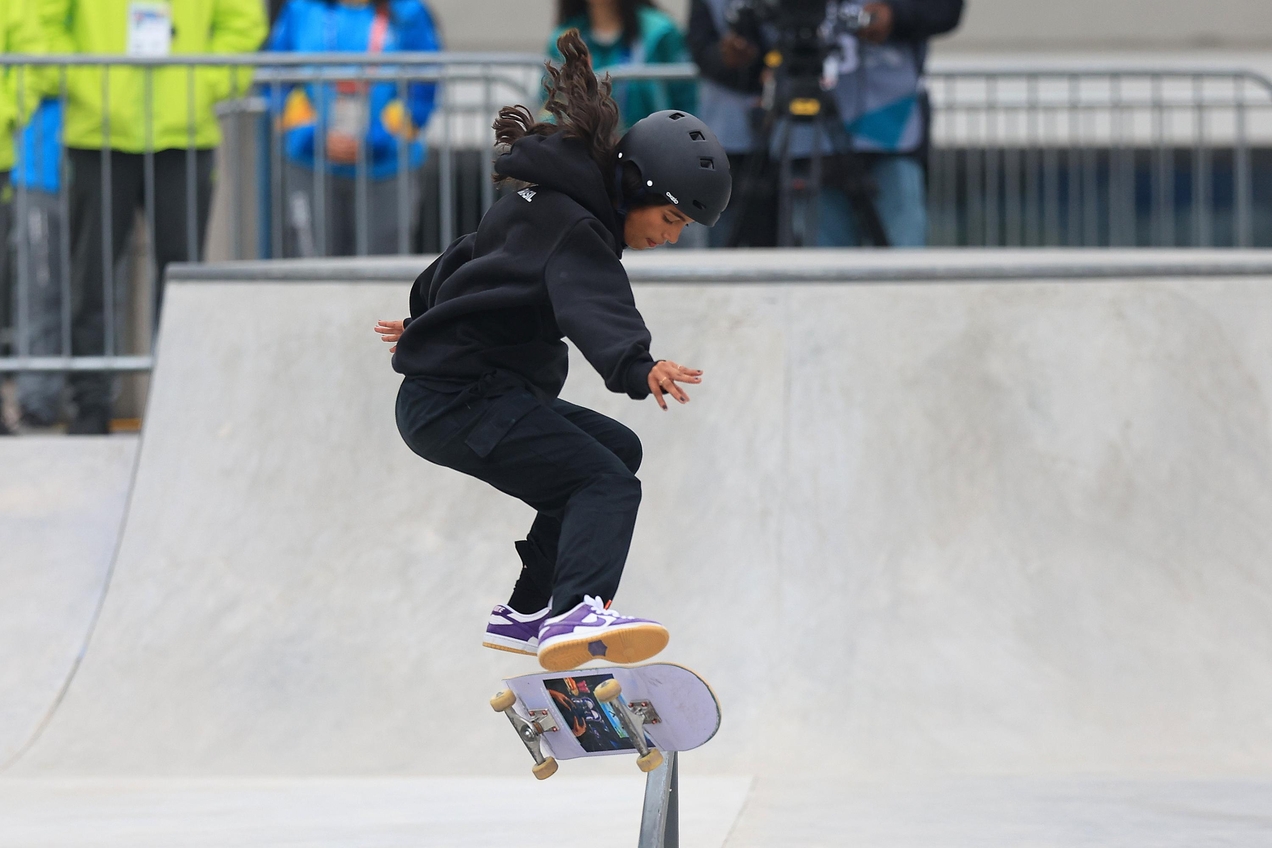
point(484, 361)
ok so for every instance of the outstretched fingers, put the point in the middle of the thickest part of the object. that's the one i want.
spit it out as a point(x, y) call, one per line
point(663, 379)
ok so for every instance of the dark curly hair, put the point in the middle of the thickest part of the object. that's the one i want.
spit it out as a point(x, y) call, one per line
point(582, 107)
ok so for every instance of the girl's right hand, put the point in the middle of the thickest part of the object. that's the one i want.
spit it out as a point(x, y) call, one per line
point(390, 331)
point(664, 376)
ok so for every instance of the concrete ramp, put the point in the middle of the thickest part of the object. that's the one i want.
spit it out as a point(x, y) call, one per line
point(62, 505)
point(1014, 523)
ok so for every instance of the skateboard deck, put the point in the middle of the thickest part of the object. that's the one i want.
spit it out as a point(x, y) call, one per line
point(582, 713)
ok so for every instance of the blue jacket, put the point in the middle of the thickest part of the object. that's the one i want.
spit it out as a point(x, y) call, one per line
point(39, 151)
point(321, 26)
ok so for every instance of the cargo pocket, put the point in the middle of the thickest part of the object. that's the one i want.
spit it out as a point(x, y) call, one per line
point(495, 423)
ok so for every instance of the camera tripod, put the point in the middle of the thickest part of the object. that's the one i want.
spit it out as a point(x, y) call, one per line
point(843, 169)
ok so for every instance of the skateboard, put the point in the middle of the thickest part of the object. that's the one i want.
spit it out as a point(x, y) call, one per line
point(608, 711)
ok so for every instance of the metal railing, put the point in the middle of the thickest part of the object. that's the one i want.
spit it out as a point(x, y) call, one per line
point(1151, 157)
point(1154, 157)
point(255, 183)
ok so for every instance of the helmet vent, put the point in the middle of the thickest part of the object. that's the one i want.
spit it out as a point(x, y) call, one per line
point(709, 164)
point(698, 205)
point(697, 135)
point(676, 116)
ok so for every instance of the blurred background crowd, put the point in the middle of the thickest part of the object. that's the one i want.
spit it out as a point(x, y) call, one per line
point(145, 151)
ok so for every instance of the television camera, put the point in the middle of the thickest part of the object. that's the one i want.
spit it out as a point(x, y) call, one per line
point(804, 52)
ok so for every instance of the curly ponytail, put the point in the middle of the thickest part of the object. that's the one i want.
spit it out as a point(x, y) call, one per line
point(581, 105)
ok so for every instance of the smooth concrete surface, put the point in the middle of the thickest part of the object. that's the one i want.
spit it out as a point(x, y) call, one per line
point(1006, 813)
point(569, 812)
point(968, 563)
point(969, 528)
point(62, 505)
point(812, 265)
point(473, 812)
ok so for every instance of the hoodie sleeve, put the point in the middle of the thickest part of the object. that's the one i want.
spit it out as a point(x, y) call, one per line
point(424, 289)
point(592, 299)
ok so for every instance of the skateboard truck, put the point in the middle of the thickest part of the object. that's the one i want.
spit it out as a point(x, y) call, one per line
point(660, 819)
point(530, 731)
point(633, 719)
point(646, 711)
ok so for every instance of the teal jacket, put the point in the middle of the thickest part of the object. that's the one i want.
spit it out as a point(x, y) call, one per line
point(660, 43)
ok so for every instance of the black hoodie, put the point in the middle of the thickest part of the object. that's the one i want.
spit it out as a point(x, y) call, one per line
point(543, 264)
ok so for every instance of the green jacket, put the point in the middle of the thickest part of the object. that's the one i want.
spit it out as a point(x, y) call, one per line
point(171, 121)
point(19, 33)
point(660, 42)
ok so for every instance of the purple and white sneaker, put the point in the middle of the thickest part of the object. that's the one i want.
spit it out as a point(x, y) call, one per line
point(592, 632)
point(517, 632)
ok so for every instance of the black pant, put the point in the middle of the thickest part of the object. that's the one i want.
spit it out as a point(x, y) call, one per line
point(174, 239)
point(575, 467)
point(6, 276)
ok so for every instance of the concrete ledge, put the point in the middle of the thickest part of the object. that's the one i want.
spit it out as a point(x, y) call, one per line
point(806, 266)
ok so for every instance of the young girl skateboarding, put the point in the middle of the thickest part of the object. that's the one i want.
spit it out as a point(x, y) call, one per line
point(484, 360)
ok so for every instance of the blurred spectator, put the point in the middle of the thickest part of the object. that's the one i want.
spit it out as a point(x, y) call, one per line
point(39, 232)
point(879, 95)
point(108, 133)
point(728, 98)
point(19, 93)
point(348, 127)
point(630, 32)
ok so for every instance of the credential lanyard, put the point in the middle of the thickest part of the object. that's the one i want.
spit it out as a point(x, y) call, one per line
point(375, 44)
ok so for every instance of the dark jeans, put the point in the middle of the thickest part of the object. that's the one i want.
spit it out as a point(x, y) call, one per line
point(174, 239)
point(752, 209)
point(575, 467)
point(343, 215)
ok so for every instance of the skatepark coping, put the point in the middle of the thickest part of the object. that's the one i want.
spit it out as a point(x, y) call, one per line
point(804, 266)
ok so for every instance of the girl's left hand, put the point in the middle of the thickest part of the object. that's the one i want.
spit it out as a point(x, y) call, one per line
point(664, 376)
point(390, 331)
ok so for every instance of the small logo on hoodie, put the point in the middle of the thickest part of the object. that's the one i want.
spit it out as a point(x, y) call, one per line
point(672, 198)
point(527, 193)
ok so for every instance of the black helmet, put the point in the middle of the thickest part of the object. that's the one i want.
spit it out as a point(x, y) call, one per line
point(681, 158)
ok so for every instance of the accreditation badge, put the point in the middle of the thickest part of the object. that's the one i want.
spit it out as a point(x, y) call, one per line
point(149, 28)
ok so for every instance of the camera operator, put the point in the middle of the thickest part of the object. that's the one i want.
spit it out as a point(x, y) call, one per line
point(879, 95)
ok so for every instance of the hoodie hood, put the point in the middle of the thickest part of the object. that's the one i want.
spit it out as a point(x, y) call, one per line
point(559, 163)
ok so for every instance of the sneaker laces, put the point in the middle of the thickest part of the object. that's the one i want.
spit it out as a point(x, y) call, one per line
point(598, 607)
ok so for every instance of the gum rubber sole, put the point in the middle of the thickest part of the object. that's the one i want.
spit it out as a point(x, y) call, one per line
point(621, 645)
point(510, 649)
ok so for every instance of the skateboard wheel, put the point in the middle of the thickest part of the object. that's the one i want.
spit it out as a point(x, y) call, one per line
point(545, 769)
point(650, 761)
point(503, 701)
point(609, 690)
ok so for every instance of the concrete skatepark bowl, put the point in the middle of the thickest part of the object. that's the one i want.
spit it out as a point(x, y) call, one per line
point(972, 546)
